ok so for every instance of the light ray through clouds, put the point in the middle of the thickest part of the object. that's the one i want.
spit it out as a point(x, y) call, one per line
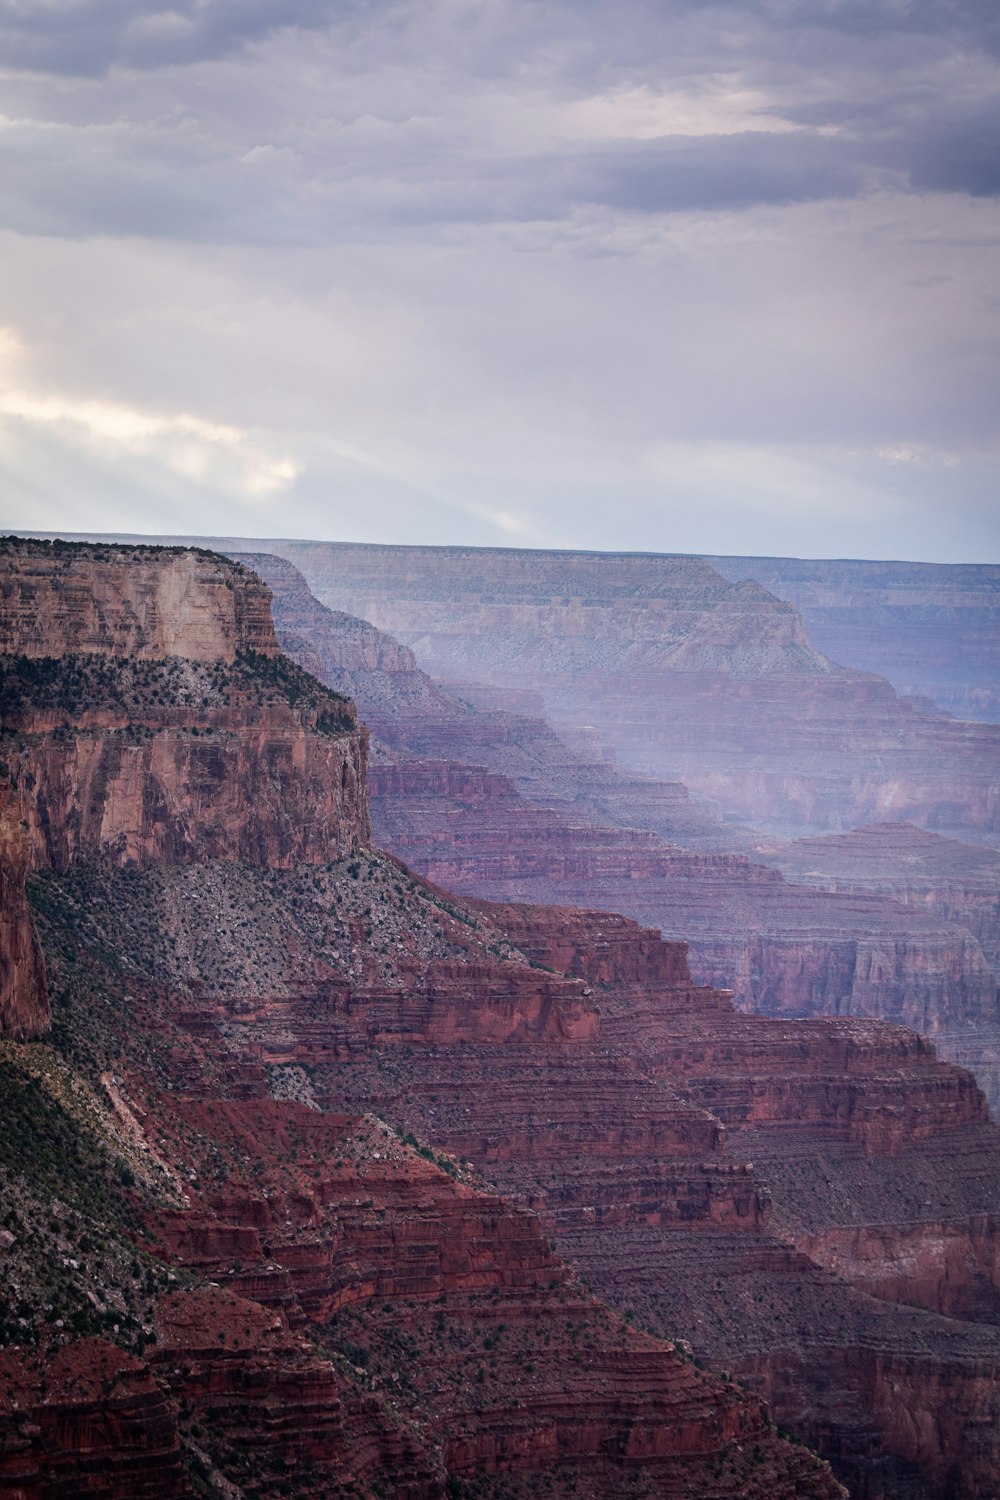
point(483, 272)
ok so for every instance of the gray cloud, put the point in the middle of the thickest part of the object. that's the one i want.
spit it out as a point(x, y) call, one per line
point(86, 37)
point(502, 271)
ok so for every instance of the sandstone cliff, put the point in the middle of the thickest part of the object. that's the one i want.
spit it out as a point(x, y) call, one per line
point(146, 603)
point(146, 715)
point(23, 991)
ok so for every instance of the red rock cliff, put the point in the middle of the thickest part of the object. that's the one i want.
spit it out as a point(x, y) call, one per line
point(148, 715)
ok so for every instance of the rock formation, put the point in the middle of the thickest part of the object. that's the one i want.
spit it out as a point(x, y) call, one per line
point(932, 628)
point(414, 717)
point(780, 946)
point(957, 883)
point(118, 746)
point(23, 997)
point(861, 1240)
point(680, 673)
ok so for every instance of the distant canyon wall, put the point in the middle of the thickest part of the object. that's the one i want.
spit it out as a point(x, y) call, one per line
point(680, 673)
point(932, 628)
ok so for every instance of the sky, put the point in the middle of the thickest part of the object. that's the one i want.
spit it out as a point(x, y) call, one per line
point(660, 275)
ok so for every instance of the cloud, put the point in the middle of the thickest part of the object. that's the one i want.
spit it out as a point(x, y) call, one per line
point(466, 265)
point(87, 37)
point(199, 452)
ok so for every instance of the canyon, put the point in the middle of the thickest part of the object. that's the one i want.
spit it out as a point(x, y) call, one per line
point(680, 674)
point(522, 818)
point(304, 1126)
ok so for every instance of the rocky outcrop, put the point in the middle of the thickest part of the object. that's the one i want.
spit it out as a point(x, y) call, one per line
point(146, 603)
point(147, 715)
point(271, 791)
point(23, 998)
point(782, 948)
point(680, 673)
point(89, 1419)
point(932, 628)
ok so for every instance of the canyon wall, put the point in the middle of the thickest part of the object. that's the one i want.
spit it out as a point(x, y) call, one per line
point(147, 715)
point(786, 1196)
point(782, 946)
point(147, 603)
point(932, 628)
point(680, 673)
point(415, 717)
point(23, 989)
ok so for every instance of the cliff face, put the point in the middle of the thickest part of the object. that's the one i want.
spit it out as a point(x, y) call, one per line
point(932, 628)
point(147, 603)
point(782, 947)
point(23, 990)
point(619, 1101)
point(678, 672)
point(148, 715)
point(958, 883)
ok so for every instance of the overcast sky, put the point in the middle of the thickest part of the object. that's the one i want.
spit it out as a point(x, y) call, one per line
point(664, 276)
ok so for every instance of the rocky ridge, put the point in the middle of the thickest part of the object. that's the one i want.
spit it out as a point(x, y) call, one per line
point(682, 674)
point(932, 628)
point(781, 947)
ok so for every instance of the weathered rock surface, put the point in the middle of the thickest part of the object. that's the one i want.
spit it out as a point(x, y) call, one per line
point(23, 991)
point(932, 628)
point(117, 747)
point(782, 947)
point(88, 1420)
point(147, 603)
point(960, 883)
point(859, 1241)
point(957, 882)
point(680, 673)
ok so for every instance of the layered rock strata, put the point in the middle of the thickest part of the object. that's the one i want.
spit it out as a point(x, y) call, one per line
point(415, 718)
point(958, 883)
point(782, 947)
point(680, 673)
point(23, 990)
point(858, 1241)
point(117, 745)
point(932, 628)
